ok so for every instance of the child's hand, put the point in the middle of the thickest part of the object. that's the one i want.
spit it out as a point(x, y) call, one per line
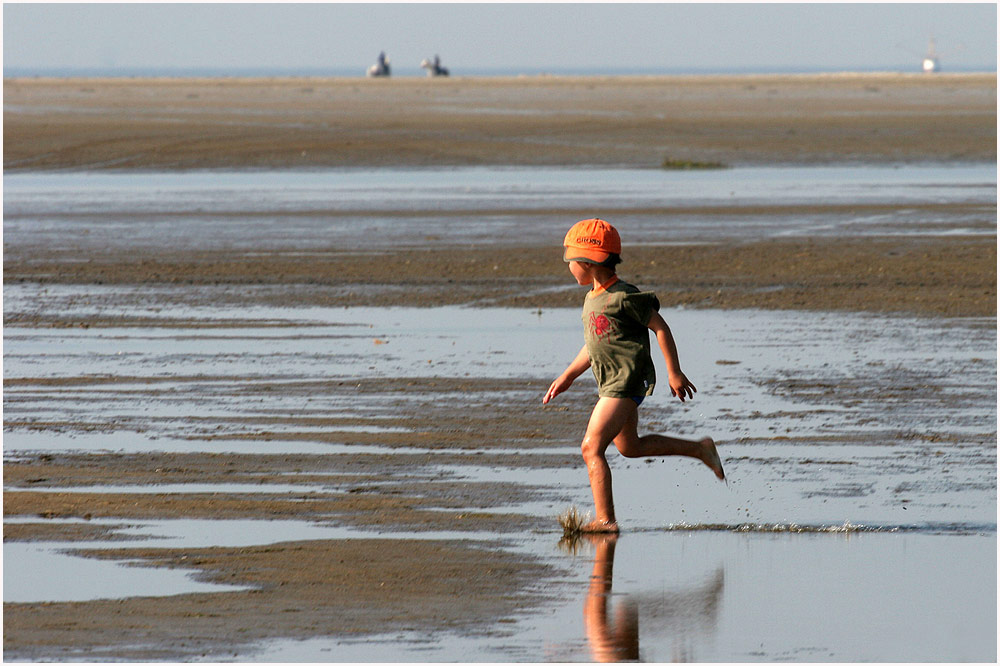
point(681, 387)
point(557, 387)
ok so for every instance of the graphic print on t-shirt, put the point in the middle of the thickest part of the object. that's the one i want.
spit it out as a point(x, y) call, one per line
point(599, 325)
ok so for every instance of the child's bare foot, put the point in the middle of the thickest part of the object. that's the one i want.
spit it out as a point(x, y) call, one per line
point(711, 458)
point(600, 526)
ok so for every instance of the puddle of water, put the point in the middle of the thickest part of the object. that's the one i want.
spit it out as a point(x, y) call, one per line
point(19, 442)
point(52, 571)
point(42, 572)
point(718, 597)
point(186, 488)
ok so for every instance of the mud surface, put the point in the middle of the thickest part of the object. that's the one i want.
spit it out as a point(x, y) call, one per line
point(938, 276)
point(298, 590)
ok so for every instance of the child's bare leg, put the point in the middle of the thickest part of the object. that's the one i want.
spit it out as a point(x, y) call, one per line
point(607, 420)
point(600, 486)
point(630, 445)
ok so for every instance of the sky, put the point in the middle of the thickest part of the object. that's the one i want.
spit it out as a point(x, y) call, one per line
point(504, 37)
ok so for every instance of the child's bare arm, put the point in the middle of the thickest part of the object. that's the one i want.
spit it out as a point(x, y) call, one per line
point(680, 386)
point(569, 375)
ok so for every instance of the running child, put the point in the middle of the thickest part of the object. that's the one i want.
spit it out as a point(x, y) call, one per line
point(617, 318)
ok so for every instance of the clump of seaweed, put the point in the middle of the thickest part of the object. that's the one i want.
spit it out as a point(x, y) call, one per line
point(690, 165)
point(571, 520)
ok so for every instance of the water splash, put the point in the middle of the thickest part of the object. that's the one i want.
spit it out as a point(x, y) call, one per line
point(846, 528)
point(571, 520)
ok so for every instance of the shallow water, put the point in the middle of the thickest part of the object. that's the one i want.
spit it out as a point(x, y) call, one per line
point(760, 374)
point(721, 597)
point(47, 572)
point(372, 209)
point(695, 596)
point(52, 572)
point(495, 187)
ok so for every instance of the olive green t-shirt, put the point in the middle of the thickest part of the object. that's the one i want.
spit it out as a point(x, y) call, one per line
point(614, 328)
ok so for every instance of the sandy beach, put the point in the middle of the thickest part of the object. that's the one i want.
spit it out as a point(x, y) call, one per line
point(637, 121)
point(134, 363)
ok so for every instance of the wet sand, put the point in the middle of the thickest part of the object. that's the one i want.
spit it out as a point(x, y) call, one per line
point(637, 121)
point(936, 276)
point(418, 485)
point(300, 590)
point(409, 582)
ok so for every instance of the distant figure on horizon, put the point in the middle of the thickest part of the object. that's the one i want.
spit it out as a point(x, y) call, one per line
point(380, 68)
point(434, 67)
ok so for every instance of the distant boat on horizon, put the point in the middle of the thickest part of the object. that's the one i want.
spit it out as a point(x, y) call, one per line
point(931, 62)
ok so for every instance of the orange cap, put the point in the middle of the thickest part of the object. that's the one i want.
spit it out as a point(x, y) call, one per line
point(592, 240)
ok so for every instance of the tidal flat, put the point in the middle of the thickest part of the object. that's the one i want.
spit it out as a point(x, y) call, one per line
point(406, 433)
point(276, 414)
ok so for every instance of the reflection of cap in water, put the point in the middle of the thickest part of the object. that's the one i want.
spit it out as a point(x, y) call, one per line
point(592, 241)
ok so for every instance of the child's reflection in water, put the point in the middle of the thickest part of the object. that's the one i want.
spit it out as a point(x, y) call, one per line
point(613, 628)
point(612, 637)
